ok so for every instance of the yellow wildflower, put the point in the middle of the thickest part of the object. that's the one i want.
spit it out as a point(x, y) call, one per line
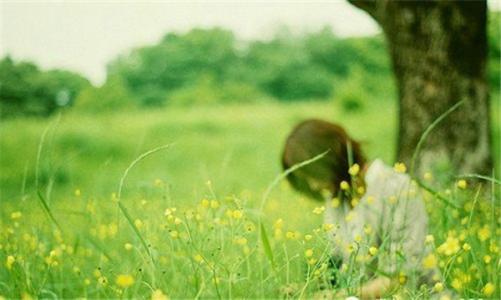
point(102, 280)
point(205, 203)
point(328, 227)
point(438, 287)
point(466, 247)
point(198, 258)
point(124, 280)
point(449, 247)
point(484, 233)
point(354, 170)
point(9, 262)
point(466, 278)
point(430, 261)
point(456, 284)
point(400, 167)
point(237, 214)
point(360, 190)
point(335, 202)
point(308, 237)
point(373, 251)
point(429, 239)
point(349, 217)
point(461, 184)
point(174, 234)
point(214, 204)
point(128, 246)
point(493, 247)
point(402, 278)
point(78, 192)
point(240, 241)
point(159, 295)
point(370, 200)
point(250, 227)
point(169, 211)
point(292, 235)
point(358, 238)
point(278, 223)
point(308, 253)
point(344, 185)
point(319, 210)
point(488, 289)
point(487, 259)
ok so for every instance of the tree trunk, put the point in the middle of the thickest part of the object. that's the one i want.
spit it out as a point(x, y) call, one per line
point(439, 54)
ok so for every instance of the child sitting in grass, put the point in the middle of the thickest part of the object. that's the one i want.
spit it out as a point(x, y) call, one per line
point(378, 214)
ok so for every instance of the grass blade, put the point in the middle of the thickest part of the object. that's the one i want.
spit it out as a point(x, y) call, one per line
point(427, 132)
point(436, 194)
point(136, 231)
point(47, 210)
point(263, 235)
point(477, 176)
point(285, 173)
point(267, 246)
point(138, 159)
point(122, 208)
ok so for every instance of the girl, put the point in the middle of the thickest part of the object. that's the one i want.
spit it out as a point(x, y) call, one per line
point(378, 213)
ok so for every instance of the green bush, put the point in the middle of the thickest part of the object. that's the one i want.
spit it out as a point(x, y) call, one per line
point(26, 90)
point(113, 95)
point(207, 91)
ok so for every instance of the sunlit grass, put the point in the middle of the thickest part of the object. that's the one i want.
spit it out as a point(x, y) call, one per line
point(211, 248)
point(196, 206)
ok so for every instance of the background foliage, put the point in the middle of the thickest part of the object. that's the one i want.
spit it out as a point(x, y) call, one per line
point(211, 66)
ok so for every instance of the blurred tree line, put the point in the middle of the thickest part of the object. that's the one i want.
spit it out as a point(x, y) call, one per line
point(210, 66)
point(25, 89)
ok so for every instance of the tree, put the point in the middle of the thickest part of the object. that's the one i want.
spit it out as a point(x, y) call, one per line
point(439, 51)
point(153, 72)
point(26, 90)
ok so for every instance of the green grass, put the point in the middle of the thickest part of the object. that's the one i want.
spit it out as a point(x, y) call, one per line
point(235, 147)
point(226, 156)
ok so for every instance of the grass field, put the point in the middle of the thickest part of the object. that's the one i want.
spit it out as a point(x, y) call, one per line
point(187, 223)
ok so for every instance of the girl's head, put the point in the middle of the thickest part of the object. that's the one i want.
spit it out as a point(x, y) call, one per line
point(310, 138)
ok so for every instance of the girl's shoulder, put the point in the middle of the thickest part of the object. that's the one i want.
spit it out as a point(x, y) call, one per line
point(383, 181)
point(379, 171)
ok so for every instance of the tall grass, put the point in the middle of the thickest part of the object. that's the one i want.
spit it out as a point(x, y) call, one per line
point(192, 238)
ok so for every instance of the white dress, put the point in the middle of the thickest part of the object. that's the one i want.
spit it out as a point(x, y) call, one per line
point(390, 216)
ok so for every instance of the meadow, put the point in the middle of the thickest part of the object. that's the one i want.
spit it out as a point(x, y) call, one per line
point(194, 219)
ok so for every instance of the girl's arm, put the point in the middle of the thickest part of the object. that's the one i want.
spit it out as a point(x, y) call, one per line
point(377, 288)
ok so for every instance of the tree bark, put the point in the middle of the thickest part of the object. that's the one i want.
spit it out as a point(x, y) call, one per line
point(439, 55)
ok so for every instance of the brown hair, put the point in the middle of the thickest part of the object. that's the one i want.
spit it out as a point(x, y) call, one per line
point(310, 138)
